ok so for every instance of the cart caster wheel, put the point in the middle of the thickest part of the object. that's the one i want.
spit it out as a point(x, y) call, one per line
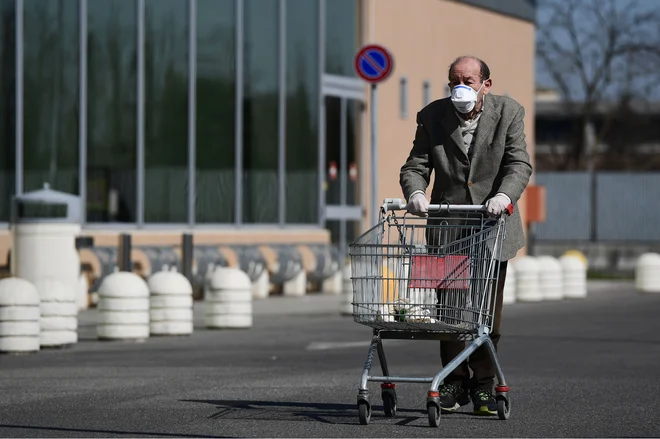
point(503, 407)
point(364, 412)
point(389, 402)
point(434, 414)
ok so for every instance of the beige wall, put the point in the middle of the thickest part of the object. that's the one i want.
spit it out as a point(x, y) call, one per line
point(424, 39)
point(173, 238)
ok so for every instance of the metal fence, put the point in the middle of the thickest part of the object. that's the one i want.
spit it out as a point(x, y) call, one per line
point(627, 207)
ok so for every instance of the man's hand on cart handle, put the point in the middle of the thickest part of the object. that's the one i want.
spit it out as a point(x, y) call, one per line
point(499, 204)
point(418, 205)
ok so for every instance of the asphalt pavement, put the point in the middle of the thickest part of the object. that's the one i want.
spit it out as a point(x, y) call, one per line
point(577, 368)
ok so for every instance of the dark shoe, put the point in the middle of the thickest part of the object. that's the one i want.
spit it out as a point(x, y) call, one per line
point(484, 403)
point(452, 397)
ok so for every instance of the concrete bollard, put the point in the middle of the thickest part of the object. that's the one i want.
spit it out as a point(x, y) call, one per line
point(19, 316)
point(59, 313)
point(647, 273)
point(82, 293)
point(228, 303)
point(123, 307)
point(550, 278)
point(527, 279)
point(574, 273)
point(509, 293)
point(578, 254)
point(334, 283)
point(296, 286)
point(347, 291)
point(261, 286)
point(210, 268)
point(170, 304)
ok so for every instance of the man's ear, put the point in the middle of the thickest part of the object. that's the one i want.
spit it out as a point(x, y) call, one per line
point(487, 85)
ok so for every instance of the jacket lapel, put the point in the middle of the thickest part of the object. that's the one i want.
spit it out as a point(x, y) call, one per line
point(485, 131)
point(450, 124)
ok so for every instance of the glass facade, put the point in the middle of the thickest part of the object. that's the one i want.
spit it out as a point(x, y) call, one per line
point(166, 111)
point(7, 106)
point(302, 112)
point(341, 33)
point(111, 111)
point(196, 112)
point(260, 111)
point(215, 112)
point(51, 66)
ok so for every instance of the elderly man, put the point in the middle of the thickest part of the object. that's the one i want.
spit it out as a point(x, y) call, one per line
point(476, 146)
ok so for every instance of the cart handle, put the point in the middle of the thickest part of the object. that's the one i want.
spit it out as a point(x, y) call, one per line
point(399, 204)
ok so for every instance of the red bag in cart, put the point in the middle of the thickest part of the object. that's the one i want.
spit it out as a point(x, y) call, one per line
point(439, 272)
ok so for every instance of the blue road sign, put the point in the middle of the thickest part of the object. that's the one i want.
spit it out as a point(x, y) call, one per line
point(373, 63)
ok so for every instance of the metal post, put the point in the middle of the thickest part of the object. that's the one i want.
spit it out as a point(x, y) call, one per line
point(140, 113)
point(374, 158)
point(82, 127)
point(187, 256)
point(343, 184)
point(590, 141)
point(321, 115)
point(281, 144)
point(531, 239)
point(238, 145)
point(124, 254)
point(343, 151)
point(192, 109)
point(19, 97)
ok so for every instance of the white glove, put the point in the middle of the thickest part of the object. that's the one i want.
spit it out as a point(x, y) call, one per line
point(498, 204)
point(418, 205)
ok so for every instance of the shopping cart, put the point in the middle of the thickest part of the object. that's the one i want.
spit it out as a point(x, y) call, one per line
point(427, 279)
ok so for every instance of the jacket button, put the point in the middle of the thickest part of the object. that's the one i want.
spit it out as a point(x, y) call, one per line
point(469, 183)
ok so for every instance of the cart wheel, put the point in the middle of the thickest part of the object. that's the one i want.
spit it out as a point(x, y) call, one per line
point(364, 412)
point(389, 402)
point(503, 407)
point(434, 414)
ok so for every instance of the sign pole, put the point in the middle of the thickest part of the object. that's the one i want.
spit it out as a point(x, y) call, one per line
point(374, 157)
point(374, 64)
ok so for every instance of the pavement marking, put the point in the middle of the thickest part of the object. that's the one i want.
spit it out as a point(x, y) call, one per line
point(323, 346)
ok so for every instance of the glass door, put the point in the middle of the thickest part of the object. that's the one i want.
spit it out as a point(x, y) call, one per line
point(343, 207)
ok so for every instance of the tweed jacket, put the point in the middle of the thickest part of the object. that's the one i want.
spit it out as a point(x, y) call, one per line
point(497, 161)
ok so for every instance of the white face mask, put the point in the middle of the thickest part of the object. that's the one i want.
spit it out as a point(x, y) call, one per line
point(464, 97)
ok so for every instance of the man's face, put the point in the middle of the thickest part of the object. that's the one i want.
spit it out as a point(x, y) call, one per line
point(468, 72)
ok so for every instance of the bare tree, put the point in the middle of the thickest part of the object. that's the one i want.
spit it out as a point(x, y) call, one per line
point(594, 51)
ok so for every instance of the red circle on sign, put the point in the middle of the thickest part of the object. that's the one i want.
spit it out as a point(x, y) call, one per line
point(386, 54)
point(332, 172)
point(352, 172)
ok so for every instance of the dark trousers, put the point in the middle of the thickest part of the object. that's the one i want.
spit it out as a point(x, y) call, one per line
point(480, 362)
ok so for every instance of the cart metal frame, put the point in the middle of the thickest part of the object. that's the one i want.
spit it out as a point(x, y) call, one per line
point(485, 235)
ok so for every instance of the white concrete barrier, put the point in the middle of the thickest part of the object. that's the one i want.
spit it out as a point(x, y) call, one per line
point(123, 307)
point(228, 303)
point(509, 293)
point(527, 279)
point(550, 278)
point(83, 292)
point(296, 286)
point(19, 316)
point(261, 286)
point(170, 304)
point(59, 313)
point(574, 273)
point(347, 291)
point(647, 273)
point(333, 284)
point(210, 268)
